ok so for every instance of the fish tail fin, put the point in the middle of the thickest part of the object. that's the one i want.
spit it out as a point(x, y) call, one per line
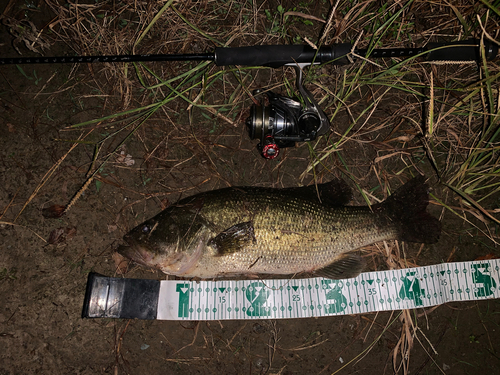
point(406, 209)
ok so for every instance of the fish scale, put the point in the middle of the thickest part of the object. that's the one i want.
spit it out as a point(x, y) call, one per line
point(299, 246)
point(249, 231)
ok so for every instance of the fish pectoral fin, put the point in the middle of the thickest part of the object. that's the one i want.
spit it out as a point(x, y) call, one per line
point(233, 239)
point(344, 267)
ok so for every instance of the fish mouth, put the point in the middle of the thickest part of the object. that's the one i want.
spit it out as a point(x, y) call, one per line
point(136, 253)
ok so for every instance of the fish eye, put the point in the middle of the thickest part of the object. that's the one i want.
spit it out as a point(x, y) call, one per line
point(145, 229)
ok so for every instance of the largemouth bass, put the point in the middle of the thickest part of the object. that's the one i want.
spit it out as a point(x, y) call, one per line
point(250, 231)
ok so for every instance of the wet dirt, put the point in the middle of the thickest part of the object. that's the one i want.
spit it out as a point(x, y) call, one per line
point(42, 285)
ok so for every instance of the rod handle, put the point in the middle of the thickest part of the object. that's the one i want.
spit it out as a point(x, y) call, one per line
point(279, 55)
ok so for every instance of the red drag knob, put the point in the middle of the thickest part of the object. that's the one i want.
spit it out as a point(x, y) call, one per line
point(270, 149)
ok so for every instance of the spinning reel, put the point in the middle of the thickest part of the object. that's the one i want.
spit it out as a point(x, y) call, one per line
point(282, 121)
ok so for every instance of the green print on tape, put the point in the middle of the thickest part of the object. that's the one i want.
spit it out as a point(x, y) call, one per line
point(335, 300)
point(280, 301)
point(183, 290)
point(485, 285)
point(411, 289)
point(257, 294)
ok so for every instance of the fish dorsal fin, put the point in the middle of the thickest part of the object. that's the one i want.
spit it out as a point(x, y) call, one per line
point(335, 193)
point(233, 239)
point(346, 266)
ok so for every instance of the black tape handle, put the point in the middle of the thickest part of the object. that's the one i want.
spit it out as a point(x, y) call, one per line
point(111, 297)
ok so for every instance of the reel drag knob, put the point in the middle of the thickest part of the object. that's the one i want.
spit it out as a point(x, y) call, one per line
point(269, 148)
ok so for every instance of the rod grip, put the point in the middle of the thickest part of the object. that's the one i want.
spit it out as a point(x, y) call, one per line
point(275, 56)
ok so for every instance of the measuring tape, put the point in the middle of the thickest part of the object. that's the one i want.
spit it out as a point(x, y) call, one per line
point(409, 288)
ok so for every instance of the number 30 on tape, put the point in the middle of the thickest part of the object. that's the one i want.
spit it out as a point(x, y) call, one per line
point(291, 298)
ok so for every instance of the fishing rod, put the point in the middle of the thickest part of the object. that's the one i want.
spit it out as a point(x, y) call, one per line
point(280, 121)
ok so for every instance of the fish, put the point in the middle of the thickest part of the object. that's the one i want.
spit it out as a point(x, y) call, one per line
point(250, 232)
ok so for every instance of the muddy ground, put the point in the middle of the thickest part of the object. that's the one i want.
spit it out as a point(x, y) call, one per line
point(43, 272)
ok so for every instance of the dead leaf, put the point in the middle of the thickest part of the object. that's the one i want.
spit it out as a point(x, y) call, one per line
point(306, 16)
point(112, 228)
point(53, 212)
point(125, 159)
point(487, 257)
point(164, 203)
point(121, 263)
point(61, 235)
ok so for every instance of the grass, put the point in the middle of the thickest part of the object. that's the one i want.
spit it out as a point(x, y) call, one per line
point(391, 119)
point(478, 176)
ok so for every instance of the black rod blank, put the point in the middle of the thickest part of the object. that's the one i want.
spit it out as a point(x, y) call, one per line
point(278, 55)
point(101, 59)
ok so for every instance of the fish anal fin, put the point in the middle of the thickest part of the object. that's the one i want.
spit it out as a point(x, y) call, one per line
point(345, 266)
point(233, 239)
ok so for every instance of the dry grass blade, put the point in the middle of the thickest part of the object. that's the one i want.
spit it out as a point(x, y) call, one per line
point(374, 342)
point(184, 124)
point(480, 172)
point(48, 175)
point(404, 345)
point(24, 227)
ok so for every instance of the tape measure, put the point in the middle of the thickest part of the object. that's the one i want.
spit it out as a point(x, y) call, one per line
point(408, 288)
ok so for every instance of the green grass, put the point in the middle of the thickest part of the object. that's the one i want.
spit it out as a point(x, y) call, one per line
point(390, 118)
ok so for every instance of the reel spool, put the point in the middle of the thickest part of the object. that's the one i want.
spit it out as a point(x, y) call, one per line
point(281, 121)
